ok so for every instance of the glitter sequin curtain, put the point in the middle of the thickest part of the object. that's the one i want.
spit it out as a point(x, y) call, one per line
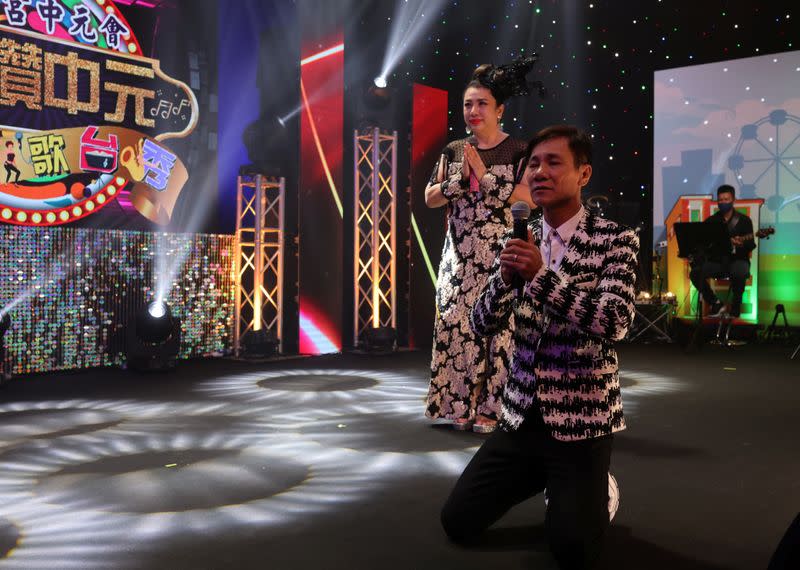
point(71, 293)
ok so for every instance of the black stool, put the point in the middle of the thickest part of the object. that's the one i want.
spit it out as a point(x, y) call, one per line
point(722, 336)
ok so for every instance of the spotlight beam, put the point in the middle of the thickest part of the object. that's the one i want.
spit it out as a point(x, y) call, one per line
point(325, 53)
point(326, 89)
point(53, 273)
point(410, 21)
point(168, 263)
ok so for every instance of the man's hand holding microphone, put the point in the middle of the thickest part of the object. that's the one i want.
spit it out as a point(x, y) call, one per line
point(520, 260)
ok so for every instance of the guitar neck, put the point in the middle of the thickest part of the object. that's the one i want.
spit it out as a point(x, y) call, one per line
point(766, 232)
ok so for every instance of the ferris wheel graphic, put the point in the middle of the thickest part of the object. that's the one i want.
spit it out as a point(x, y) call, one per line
point(767, 156)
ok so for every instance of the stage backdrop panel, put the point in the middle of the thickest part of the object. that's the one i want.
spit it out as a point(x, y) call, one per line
point(736, 122)
point(428, 138)
point(72, 292)
point(320, 210)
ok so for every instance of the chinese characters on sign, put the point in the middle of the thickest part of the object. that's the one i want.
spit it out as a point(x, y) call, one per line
point(98, 155)
point(47, 154)
point(20, 74)
point(82, 25)
point(15, 15)
point(158, 164)
point(21, 79)
point(53, 14)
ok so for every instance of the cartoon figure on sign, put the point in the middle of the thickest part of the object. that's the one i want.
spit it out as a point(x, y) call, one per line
point(8, 163)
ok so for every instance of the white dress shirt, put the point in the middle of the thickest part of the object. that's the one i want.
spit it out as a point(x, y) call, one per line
point(555, 240)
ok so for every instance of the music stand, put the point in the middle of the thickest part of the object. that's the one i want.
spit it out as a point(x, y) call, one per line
point(699, 239)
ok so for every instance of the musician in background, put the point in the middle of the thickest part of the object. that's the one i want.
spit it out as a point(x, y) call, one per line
point(734, 266)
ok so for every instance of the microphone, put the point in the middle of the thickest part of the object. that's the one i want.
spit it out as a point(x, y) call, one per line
point(474, 183)
point(441, 171)
point(520, 212)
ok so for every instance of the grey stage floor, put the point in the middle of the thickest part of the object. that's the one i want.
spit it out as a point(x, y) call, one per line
point(327, 462)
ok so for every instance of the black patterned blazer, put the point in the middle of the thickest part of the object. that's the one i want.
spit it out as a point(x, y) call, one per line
point(566, 322)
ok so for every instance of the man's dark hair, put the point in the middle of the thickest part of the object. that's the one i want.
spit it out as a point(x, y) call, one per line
point(9, 143)
point(726, 189)
point(579, 142)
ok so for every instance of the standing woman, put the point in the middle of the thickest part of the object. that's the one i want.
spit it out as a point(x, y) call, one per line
point(477, 180)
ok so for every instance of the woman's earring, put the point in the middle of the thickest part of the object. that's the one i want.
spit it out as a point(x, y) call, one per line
point(468, 130)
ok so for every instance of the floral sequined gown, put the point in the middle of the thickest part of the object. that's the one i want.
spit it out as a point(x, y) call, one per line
point(468, 372)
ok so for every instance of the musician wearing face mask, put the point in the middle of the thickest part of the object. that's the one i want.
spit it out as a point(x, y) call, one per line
point(736, 264)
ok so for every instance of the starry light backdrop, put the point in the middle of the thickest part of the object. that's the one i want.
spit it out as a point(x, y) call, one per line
point(597, 60)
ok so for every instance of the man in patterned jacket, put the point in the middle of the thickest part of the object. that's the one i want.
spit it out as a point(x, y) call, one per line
point(562, 401)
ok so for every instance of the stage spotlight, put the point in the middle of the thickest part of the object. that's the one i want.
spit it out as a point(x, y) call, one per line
point(154, 338)
point(157, 309)
point(379, 340)
point(5, 324)
point(262, 343)
point(268, 146)
point(380, 82)
point(376, 108)
point(377, 98)
point(155, 324)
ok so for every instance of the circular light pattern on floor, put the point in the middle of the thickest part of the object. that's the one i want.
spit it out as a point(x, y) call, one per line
point(395, 433)
point(636, 384)
point(52, 418)
point(49, 422)
point(349, 417)
point(358, 390)
point(319, 383)
point(264, 448)
point(147, 487)
point(173, 480)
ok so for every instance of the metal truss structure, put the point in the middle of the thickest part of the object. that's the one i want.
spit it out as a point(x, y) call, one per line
point(259, 256)
point(375, 234)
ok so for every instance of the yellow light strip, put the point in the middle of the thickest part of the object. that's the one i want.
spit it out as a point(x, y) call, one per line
point(320, 151)
point(424, 251)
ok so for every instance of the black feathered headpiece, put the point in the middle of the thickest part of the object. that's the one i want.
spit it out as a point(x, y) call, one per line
point(509, 80)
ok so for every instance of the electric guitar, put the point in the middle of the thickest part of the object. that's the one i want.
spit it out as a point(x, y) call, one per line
point(763, 233)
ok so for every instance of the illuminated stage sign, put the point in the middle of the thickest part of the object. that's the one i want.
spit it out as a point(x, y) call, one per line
point(84, 116)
